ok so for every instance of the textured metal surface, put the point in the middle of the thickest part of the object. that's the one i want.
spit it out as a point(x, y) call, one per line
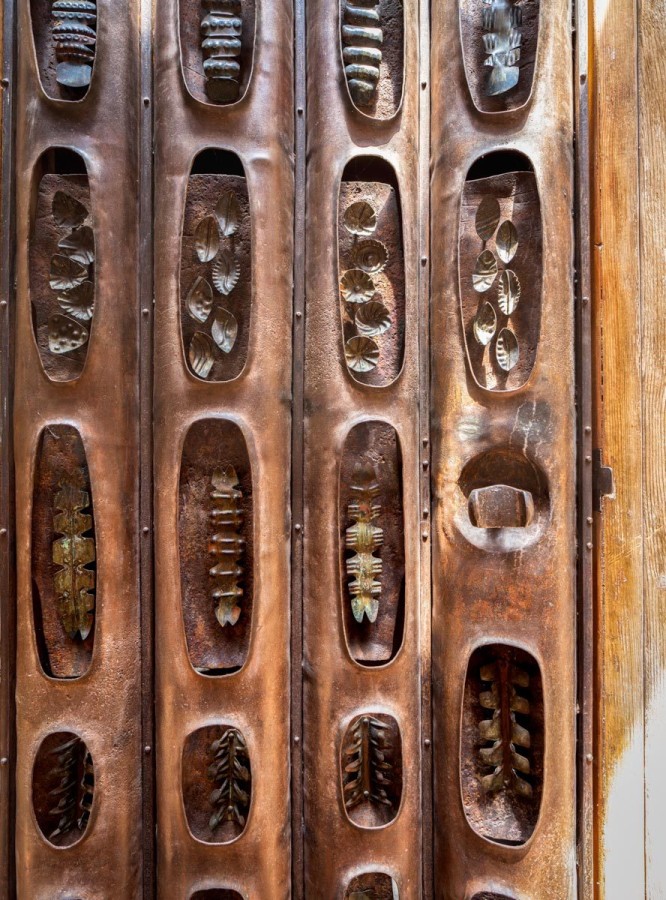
point(512, 591)
point(102, 707)
point(337, 689)
point(259, 129)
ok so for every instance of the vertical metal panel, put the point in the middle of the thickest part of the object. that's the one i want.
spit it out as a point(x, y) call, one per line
point(104, 706)
point(526, 598)
point(336, 688)
point(259, 129)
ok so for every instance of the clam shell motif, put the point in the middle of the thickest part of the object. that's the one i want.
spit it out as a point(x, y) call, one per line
point(508, 291)
point(372, 318)
point(224, 330)
point(66, 273)
point(506, 241)
point(506, 350)
point(487, 218)
point(199, 300)
point(371, 256)
point(485, 324)
point(79, 245)
point(360, 218)
point(67, 211)
point(79, 302)
point(65, 334)
point(485, 271)
point(226, 272)
point(356, 286)
point(361, 353)
point(200, 354)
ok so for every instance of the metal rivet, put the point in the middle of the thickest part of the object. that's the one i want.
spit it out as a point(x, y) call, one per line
point(424, 85)
point(426, 512)
point(588, 459)
point(146, 101)
point(3, 531)
point(425, 442)
point(299, 314)
point(426, 742)
point(589, 758)
point(589, 545)
point(146, 529)
point(588, 429)
point(5, 82)
point(147, 749)
point(297, 740)
point(424, 260)
point(297, 527)
point(3, 303)
point(424, 535)
point(589, 520)
point(300, 110)
point(4, 761)
point(425, 463)
point(145, 312)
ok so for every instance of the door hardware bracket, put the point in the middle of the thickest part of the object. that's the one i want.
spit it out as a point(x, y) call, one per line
point(603, 482)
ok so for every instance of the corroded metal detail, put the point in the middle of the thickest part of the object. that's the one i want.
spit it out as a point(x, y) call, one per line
point(364, 538)
point(221, 30)
point(371, 768)
point(74, 35)
point(214, 245)
point(74, 582)
point(500, 506)
point(502, 21)
point(370, 255)
point(360, 218)
point(372, 886)
point(362, 39)
point(230, 770)
point(226, 545)
point(70, 798)
point(505, 742)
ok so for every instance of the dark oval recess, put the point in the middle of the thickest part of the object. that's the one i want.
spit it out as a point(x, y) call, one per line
point(62, 263)
point(370, 183)
point(370, 752)
point(236, 65)
point(64, 631)
point(506, 181)
point(216, 894)
point(216, 267)
point(217, 806)
point(215, 453)
point(372, 886)
point(371, 472)
point(502, 744)
point(499, 88)
point(378, 95)
point(491, 895)
point(63, 787)
point(65, 75)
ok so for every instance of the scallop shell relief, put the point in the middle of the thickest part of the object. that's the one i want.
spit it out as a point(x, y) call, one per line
point(358, 291)
point(214, 245)
point(361, 49)
point(499, 287)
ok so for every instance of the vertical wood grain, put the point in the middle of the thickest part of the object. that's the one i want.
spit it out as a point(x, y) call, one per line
point(620, 741)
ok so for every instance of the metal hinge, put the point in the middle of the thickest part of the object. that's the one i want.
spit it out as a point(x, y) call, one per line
point(603, 484)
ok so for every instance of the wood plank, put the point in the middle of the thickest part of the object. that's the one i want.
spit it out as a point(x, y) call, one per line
point(652, 162)
point(619, 763)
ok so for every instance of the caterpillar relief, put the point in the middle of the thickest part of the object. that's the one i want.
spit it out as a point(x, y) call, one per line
point(63, 788)
point(74, 37)
point(364, 538)
point(221, 30)
point(226, 545)
point(73, 553)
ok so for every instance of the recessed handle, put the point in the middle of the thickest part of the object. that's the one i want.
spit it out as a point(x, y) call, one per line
point(500, 506)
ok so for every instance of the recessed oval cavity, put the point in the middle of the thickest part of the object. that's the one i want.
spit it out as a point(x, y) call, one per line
point(215, 537)
point(372, 549)
point(371, 272)
point(216, 894)
point(217, 48)
point(491, 895)
point(62, 263)
point(503, 504)
point(372, 886)
point(216, 267)
point(63, 554)
point(373, 55)
point(371, 769)
point(502, 743)
point(499, 47)
point(500, 270)
point(217, 783)
point(65, 42)
point(63, 787)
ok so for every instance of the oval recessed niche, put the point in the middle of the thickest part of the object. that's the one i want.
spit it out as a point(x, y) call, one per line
point(372, 544)
point(216, 267)
point(499, 46)
point(215, 536)
point(500, 261)
point(502, 744)
point(63, 787)
point(371, 271)
point(217, 48)
point(504, 503)
point(217, 783)
point(216, 894)
point(371, 769)
point(62, 263)
point(372, 886)
point(372, 47)
point(65, 41)
point(491, 895)
point(63, 554)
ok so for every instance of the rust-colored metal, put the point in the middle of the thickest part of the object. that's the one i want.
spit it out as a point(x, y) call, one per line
point(250, 139)
point(508, 587)
point(357, 157)
point(103, 706)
